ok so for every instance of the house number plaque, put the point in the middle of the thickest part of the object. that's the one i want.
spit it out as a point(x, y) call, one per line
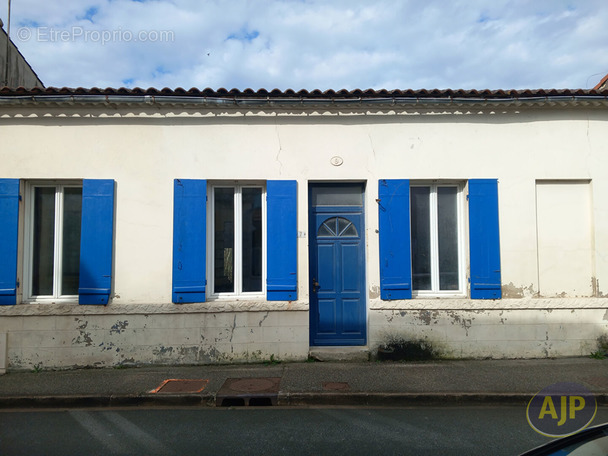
point(336, 161)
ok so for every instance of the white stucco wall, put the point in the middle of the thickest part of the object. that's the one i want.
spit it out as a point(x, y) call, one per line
point(144, 149)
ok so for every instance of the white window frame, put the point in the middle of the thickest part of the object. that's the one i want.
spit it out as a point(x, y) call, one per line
point(238, 227)
point(460, 224)
point(28, 247)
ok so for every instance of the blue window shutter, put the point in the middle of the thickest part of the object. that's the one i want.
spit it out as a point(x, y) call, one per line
point(395, 244)
point(189, 240)
point(96, 241)
point(9, 229)
point(484, 239)
point(282, 240)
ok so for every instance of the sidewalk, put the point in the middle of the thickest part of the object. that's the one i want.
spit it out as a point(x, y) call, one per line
point(308, 384)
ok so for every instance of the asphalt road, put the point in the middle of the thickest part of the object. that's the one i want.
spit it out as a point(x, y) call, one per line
point(467, 430)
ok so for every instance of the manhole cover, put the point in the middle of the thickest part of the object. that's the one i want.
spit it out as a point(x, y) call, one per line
point(336, 386)
point(174, 385)
point(250, 385)
point(248, 391)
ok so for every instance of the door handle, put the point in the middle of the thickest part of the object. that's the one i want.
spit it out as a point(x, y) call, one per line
point(315, 285)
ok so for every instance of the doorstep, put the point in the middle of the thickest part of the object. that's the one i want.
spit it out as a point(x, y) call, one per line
point(344, 354)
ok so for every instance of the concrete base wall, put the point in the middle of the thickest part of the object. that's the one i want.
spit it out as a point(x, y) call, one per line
point(493, 333)
point(68, 336)
point(72, 341)
point(3, 361)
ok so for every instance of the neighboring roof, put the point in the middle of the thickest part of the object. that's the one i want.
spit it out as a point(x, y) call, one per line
point(603, 84)
point(249, 97)
point(20, 72)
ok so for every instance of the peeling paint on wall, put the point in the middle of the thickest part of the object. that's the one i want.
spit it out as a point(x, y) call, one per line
point(457, 319)
point(119, 327)
point(109, 346)
point(84, 337)
point(426, 316)
point(502, 319)
point(205, 338)
point(374, 292)
point(595, 286)
point(162, 350)
point(511, 291)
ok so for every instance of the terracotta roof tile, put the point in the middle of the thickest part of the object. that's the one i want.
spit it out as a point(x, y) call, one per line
point(600, 90)
point(603, 84)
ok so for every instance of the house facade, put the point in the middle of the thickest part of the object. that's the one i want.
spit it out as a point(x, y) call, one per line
point(172, 226)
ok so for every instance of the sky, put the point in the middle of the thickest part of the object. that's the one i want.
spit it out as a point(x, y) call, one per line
point(313, 44)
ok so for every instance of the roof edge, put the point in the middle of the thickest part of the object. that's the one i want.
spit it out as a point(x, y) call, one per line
point(301, 94)
point(603, 84)
point(235, 99)
point(300, 103)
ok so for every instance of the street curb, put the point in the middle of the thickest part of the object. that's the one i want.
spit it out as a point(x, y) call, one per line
point(407, 399)
point(106, 401)
point(372, 399)
point(401, 399)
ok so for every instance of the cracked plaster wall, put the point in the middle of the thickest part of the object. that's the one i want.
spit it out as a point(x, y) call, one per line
point(517, 146)
point(70, 341)
point(493, 329)
point(494, 333)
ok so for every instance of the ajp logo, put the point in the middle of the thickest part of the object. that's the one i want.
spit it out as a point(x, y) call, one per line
point(561, 409)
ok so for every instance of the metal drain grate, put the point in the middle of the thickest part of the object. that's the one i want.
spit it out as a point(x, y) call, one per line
point(258, 391)
point(336, 386)
point(174, 385)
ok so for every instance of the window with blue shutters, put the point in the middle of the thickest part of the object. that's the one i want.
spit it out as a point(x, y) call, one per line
point(237, 239)
point(220, 247)
point(52, 240)
point(422, 244)
point(68, 241)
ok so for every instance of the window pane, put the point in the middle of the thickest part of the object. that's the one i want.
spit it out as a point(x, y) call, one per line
point(447, 229)
point(252, 239)
point(337, 195)
point(44, 241)
point(72, 209)
point(325, 231)
point(421, 238)
point(351, 231)
point(224, 240)
point(346, 228)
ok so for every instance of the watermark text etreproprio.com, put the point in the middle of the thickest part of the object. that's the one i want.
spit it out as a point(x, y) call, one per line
point(77, 33)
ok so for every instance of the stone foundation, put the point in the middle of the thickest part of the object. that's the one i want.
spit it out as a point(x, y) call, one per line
point(95, 339)
point(535, 328)
point(65, 336)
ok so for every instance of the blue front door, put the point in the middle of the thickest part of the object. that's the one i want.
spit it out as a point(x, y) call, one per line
point(337, 276)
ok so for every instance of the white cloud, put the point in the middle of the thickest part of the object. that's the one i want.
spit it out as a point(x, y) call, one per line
point(317, 44)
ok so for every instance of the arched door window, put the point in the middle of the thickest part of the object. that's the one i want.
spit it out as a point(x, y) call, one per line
point(337, 227)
